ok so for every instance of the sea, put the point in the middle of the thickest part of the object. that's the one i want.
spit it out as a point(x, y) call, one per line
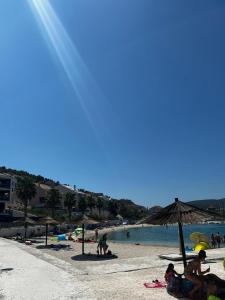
point(164, 235)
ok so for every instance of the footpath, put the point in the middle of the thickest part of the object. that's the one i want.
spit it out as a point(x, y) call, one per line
point(25, 276)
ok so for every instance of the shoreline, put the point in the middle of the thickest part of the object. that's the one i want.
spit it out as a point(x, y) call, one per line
point(143, 244)
point(91, 233)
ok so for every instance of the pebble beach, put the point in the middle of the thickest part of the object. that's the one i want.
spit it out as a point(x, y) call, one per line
point(71, 276)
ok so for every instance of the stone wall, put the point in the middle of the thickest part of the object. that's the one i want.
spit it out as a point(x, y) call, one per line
point(12, 231)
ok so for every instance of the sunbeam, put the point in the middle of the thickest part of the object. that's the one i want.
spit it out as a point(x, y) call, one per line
point(75, 69)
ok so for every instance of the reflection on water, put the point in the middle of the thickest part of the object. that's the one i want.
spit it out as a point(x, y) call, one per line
point(162, 235)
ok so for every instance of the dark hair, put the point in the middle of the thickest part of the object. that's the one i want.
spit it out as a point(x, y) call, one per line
point(202, 254)
point(170, 268)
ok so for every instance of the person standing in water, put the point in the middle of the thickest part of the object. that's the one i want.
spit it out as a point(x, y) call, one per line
point(213, 240)
point(218, 239)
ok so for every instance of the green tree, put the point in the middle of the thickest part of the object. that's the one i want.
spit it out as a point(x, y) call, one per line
point(123, 210)
point(69, 202)
point(91, 203)
point(99, 205)
point(39, 178)
point(25, 191)
point(53, 199)
point(82, 204)
point(113, 207)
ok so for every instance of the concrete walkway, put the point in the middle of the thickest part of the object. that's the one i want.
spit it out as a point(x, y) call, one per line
point(35, 278)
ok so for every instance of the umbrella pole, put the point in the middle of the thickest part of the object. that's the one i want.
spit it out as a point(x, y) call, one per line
point(181, 236)
point(46, 235)
point(25, 230)
point(181, 239)
point(82, 239)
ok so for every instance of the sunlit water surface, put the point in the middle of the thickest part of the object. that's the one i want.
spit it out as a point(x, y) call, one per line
point(162, 235)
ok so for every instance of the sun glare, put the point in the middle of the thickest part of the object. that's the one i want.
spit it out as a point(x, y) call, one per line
point(73, 65)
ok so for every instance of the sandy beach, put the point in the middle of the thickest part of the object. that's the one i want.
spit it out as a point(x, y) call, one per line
point(124, 276)
point(119, 278)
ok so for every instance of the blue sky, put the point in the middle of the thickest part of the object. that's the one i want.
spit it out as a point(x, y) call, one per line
point(127, 98)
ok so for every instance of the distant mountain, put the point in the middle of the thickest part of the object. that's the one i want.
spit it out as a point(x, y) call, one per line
point(216, 204)
point(154, 209)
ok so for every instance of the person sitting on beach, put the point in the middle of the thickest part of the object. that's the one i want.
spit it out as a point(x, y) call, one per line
point(192, 272)
point(170, 272)
point(70, 238)
point(170, 277)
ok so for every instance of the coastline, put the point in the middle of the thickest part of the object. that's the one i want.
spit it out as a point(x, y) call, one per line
point(91, 234)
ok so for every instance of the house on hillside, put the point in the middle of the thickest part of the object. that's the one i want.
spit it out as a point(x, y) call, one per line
point(212, 208)
point(7, 191)
point(9, 199)
point(40, 199)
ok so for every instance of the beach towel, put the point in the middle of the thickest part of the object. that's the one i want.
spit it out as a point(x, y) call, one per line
point(80, 240)
point(61, 237)
point(155, 285)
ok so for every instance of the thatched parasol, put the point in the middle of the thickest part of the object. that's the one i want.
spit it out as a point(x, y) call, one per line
point(26, 221)
point(84, 220)
point(180, 212)
point(47, 221)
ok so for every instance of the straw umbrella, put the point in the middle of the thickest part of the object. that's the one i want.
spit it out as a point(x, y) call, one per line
point(180, 212)
point(47, 221)
point(84, 220)
point(26, 221)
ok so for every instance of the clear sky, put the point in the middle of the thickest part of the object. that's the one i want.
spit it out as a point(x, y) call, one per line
point(125, 97)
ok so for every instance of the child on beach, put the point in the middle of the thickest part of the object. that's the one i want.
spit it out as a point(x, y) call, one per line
point(170, 274)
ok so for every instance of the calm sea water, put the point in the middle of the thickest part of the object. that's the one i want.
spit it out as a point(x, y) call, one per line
point(162, 235)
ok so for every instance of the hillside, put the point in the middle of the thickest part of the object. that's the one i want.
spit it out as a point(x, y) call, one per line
point(89, 201)
point(217, 204)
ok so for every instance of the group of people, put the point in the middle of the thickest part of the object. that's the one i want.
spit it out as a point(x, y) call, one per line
point(216, 240)
point(102, 247)
point(194, 275)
